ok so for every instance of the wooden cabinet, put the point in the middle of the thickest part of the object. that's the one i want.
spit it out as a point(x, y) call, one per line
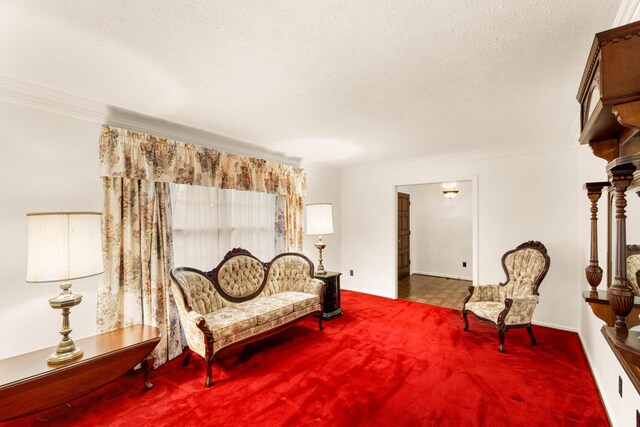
point(331, 306)
point(609, 93)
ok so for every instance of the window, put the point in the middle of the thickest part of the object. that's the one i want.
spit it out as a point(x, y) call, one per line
point(209, 222)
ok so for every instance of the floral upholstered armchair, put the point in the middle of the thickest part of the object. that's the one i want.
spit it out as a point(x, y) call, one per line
point(511, 304)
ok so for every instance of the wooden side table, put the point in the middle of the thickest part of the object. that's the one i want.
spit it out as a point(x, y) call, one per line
point(331, 307)
point(29, 385)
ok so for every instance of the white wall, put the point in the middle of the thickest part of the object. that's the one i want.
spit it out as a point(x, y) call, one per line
point(441, 230)
point(49, 162)
point(323, 186)
point(524, 194)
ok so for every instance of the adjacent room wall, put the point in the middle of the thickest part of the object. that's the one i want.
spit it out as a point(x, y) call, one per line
point(524, 193)
point(441, 230)
point(50, 163)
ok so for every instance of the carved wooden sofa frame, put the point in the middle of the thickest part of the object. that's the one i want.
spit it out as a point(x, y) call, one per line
point(501, 324)
point(188, 313)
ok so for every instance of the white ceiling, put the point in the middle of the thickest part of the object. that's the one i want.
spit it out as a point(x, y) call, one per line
point(345, 82)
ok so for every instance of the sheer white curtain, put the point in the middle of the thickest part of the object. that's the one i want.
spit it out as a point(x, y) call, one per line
point(209, 222)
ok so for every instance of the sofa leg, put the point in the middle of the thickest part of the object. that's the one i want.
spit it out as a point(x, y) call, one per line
point(208, 363)
point(320, 322)
point(187, 356)
point(466, 321)
point(501, 339)
point(533, 338)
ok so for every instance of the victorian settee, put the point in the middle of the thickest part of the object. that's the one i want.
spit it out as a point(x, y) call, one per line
point(511, 304)
point(243, 300)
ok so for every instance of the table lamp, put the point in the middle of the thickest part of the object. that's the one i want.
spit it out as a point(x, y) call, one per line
point(319, 222)
point(63, 246)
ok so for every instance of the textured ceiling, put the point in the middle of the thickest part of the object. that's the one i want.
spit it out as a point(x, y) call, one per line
point(346, 82)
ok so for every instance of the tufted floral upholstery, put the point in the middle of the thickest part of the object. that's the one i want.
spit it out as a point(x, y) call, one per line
point(299, 300)
point(241, 276)
point(289, 273)
point(189, 321)
point(266, 309)
point(511, 304)
point(633, 266)
point(228, 321)
point(212, 323)
point(523, 268)
point(521, 311)
point(201, 295)
point(495, 293)
point(259, 329)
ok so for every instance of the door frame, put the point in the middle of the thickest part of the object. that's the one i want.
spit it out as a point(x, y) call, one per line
point(474, 220)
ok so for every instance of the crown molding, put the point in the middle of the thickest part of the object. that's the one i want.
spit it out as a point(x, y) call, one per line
point(629, 11)
point(42, 98)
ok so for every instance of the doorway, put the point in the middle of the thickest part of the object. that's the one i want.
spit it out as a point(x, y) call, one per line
point(441, 240)
point(404, 232)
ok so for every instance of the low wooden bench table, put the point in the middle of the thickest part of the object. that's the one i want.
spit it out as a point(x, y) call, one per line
point(28, 384)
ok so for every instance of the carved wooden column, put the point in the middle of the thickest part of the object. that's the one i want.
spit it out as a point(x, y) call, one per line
point(593, 270)
point(620, 293)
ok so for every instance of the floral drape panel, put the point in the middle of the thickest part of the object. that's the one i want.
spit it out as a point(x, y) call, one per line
point(137, 229)
point(137, 251)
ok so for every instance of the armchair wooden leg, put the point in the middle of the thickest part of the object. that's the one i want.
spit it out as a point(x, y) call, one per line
point(533, 338)
point(320, 325)
point(466, 321)
point(187, 356)
point(501, 338)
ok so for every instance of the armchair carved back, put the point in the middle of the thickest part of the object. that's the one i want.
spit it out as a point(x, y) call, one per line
point(525, 267)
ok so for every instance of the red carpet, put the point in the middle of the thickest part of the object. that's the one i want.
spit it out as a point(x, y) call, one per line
point(384, 363)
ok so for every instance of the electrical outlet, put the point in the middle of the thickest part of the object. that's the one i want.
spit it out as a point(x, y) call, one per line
point(350, 272)
point(464, 263)
point(620, 385)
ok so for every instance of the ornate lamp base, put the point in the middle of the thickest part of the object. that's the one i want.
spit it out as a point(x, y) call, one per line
point(57, 358)
point(320, 245)
point(67, 350)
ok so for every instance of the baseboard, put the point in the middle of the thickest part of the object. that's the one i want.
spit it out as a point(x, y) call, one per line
point(605, 402)
point(447, 276)
point(554, 326)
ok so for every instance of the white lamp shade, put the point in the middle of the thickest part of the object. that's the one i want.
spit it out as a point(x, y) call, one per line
point(63, 246)
point(319, 219)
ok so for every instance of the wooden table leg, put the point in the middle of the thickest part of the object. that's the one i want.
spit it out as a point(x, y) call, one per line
point(147, 366)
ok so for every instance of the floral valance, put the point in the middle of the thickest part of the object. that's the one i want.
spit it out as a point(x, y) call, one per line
point(135, 155)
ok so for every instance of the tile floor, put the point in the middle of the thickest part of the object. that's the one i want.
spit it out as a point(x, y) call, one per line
point(433, 290)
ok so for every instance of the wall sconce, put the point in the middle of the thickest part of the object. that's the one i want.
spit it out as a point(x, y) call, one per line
point(450, 189)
